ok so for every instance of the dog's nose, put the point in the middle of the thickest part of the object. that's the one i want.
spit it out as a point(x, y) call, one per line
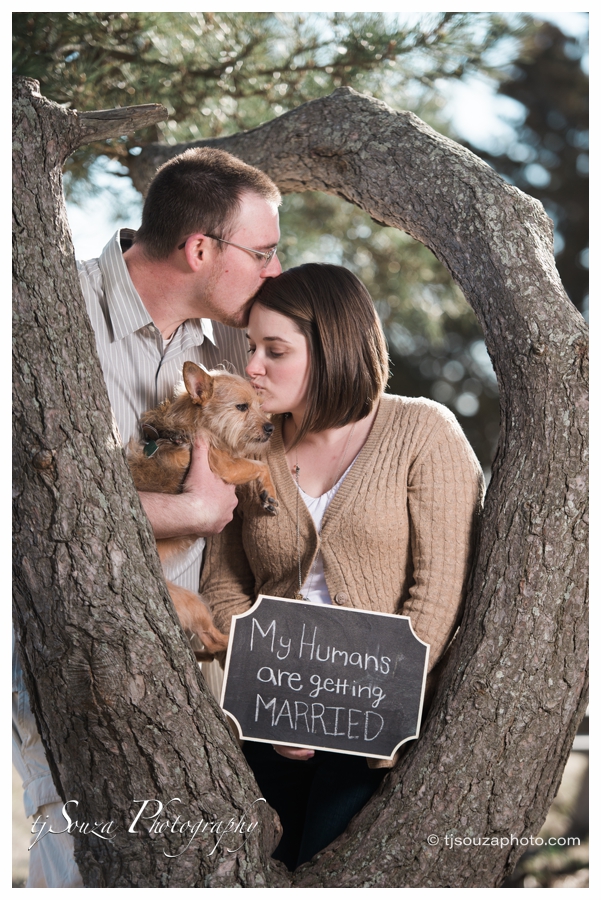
point(268, 428)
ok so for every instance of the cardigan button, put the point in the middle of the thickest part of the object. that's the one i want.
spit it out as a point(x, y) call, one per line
point(341, 598)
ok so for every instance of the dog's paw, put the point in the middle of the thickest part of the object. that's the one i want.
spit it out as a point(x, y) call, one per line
point(270, 504)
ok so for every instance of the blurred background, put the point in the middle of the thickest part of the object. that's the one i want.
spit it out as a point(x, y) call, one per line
point(512, 87)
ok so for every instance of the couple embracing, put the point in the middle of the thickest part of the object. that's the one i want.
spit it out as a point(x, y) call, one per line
point(378, 494)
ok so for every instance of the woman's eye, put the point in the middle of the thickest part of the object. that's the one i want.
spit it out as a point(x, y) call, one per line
point(242, 406)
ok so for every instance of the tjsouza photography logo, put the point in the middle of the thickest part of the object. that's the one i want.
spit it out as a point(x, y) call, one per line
point(157, 820)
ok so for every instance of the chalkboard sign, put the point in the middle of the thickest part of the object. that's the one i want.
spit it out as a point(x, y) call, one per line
point(325, 678)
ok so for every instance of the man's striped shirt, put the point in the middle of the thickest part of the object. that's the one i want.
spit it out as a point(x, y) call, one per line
point(140, 368)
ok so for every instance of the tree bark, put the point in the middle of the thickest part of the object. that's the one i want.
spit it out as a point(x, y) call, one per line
point(122, 709)
point(90, 600)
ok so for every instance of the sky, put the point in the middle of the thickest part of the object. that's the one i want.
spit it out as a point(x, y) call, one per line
point(478, 115)
point(482, 117)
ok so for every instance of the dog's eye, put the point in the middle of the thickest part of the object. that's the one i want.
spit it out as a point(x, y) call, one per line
point(242, 406)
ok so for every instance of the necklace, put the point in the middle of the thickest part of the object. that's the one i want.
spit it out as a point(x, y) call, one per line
point(296, 470)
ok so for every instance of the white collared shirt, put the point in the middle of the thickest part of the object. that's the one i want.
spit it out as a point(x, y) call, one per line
point(140, 368)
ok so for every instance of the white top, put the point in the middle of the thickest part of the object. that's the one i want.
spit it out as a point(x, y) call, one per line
point(315, 588)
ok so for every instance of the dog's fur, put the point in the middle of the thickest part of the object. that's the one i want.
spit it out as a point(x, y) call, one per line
point(225, 411)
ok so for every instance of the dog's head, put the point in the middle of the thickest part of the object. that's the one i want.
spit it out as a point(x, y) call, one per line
point(227, 406)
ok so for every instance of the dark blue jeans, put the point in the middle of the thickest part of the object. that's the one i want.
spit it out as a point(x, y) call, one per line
point(315, 798)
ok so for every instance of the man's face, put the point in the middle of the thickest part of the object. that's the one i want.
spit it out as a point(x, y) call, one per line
point(236, 275)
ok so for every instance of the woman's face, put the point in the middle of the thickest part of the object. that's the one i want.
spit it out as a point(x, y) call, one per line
point(279, 362)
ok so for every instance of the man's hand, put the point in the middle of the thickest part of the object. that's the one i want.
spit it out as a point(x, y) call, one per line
point(293, 752)
point(204, 507)
point(216, 500)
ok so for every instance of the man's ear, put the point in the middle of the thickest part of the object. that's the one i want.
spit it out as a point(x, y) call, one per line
point(194, 250)
point(199, 383)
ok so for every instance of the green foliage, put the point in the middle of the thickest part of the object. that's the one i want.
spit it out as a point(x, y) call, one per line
point(423, 293)
point(218, 73)
point(548, 157)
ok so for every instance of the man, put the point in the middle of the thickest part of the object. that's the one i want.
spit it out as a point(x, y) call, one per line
point(208, 239)
point(151, 308)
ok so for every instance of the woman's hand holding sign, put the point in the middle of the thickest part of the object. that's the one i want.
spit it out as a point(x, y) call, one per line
point(293, 752)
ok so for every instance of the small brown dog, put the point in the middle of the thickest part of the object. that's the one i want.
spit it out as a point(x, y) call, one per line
point(224, 410)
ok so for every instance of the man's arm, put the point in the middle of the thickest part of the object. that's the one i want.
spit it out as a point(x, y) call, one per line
point(204, 507)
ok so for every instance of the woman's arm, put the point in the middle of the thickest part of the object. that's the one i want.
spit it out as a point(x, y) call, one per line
point(445, 494)
point(227, 582)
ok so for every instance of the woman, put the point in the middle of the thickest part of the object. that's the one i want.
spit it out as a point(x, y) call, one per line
point(378, 495)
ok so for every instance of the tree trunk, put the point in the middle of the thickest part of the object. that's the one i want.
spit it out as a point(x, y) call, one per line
point(93, 615)
point(122, 709)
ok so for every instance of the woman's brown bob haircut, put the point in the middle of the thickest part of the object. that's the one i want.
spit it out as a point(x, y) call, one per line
point(199, 190)
point(349, 358)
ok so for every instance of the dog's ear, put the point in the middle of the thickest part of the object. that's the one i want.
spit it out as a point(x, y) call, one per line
point(199, 383)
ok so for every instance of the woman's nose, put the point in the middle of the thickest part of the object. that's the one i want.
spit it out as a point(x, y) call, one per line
point(254, 367)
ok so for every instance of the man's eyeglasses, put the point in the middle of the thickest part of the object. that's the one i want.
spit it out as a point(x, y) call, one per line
point(265, 256)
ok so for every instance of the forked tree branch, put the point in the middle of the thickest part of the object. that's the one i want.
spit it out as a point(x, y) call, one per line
point(495, 743)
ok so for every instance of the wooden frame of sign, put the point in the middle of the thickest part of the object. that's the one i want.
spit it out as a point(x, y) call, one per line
point(325, 677)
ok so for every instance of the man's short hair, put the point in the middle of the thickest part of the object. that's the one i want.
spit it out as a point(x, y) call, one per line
point(199, 190)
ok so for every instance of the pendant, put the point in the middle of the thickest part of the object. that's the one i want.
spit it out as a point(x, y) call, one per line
point(299, 596)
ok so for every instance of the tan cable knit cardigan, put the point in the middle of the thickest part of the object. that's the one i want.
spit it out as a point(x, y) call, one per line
point(396, 538)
